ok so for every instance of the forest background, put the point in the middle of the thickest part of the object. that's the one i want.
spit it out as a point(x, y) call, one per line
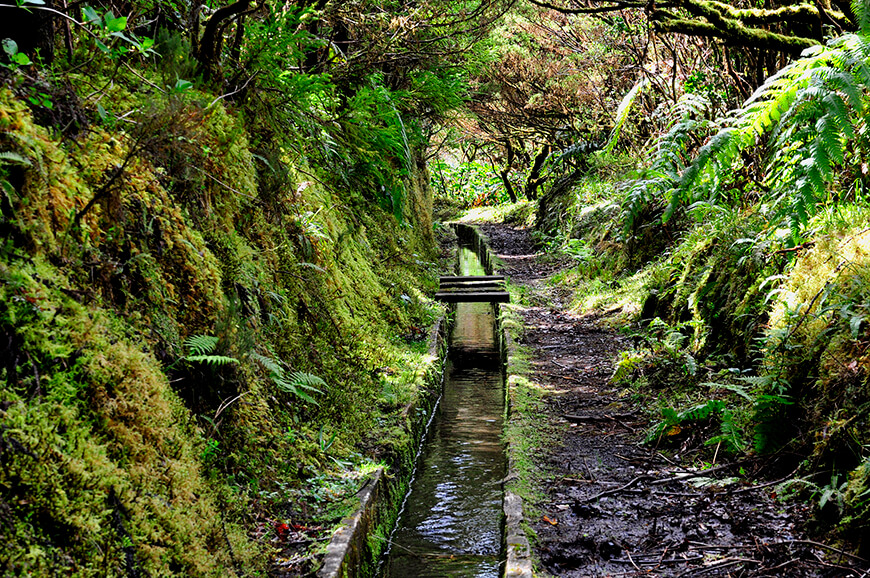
point(217, 247)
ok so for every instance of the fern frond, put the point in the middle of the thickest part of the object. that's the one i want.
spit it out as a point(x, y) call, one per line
point(201, 344)
point(212, 359)
point(306, 380)
point(862, 16)
point(270, 364)
point(622, 113)
point(14, 158)
point(702, 411)
point(732, 387)
point(299, 384)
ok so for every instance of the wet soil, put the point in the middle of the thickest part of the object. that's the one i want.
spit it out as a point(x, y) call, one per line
point(615, 506)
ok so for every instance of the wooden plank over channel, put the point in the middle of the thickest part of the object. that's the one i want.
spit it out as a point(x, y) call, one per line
point(473, 296)
point(453, 278)
point(471, 284)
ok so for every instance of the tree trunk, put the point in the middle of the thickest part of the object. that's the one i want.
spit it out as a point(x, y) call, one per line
point(236, 48)
point(535, 179)
point(506, 171)
point(210, 44)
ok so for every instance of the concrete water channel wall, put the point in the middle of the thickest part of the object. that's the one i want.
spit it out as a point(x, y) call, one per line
point(517, 550)
point(356, 547)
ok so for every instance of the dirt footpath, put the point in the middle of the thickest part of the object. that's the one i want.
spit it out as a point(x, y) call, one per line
point(617, 507)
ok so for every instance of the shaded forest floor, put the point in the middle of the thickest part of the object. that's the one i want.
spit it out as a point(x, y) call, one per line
point(614, 506)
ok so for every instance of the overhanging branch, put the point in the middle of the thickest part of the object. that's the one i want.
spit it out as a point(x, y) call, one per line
point(732, 32)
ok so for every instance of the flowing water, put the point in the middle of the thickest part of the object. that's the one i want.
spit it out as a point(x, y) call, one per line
point(452, 520)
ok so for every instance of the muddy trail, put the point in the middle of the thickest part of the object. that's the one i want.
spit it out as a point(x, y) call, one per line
point(617, 507)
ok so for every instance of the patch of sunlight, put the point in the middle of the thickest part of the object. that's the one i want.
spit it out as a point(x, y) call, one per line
point(620, 298)
point(519, 213)
point(834, 260)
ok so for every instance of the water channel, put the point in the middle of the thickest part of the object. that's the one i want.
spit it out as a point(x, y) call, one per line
point(452, 520)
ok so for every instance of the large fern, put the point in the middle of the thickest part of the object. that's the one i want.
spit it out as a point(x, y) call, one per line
point(806, 116)
point(671, 153)
point(298, 383)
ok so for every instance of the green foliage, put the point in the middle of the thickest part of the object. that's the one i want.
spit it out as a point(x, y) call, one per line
point(667, 345)
point(628, 363)
point(297, 383)
point(200, 350)
point(671, 152)
point(472, 184)
point(201, 344)
point(622, 114)
point(803, 120)
point(10, 157)
point(274, 247)
point(16, 59)
point(111, 35)
point(673, 422)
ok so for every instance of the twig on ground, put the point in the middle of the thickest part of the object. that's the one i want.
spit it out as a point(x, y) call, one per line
point(690, 475)
point(764, 485)
point(824, 547)
point(588, 471)
point(601, 417)
point(724, 563)
point(615, 490)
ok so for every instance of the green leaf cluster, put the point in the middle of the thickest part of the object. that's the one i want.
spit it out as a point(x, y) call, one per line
point(784, 148)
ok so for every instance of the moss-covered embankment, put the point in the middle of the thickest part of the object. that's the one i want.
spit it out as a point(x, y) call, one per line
point(206, 346)
point(743, 340)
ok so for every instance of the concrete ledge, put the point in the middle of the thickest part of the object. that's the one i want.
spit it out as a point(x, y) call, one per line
point(518, 552)
point(345, 554)
point(356, 547)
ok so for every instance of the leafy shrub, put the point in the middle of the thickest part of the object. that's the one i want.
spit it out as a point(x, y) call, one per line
point(473, 184)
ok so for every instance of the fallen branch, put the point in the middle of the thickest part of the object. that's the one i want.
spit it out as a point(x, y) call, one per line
point(613, 418)
point(615, 490)
point(554, 376)
point(654, 482)
point(602, 417)
point(796, 248)
point(691, 475)
point(760, 486)
point(724, 563)
point(823, 546)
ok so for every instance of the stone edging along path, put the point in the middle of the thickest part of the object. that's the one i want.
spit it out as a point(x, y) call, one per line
point(356, 548)
point(518, 553)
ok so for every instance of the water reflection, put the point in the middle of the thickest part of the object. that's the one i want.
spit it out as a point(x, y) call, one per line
point(452, 521)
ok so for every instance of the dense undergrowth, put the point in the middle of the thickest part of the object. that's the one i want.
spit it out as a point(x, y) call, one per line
point(748, 301)
point(209, 329)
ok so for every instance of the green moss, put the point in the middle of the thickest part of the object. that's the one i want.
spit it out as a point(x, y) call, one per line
point(97, 446)
point(118, 452)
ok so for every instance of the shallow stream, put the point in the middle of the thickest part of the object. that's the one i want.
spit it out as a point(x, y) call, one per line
point(452, 520)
